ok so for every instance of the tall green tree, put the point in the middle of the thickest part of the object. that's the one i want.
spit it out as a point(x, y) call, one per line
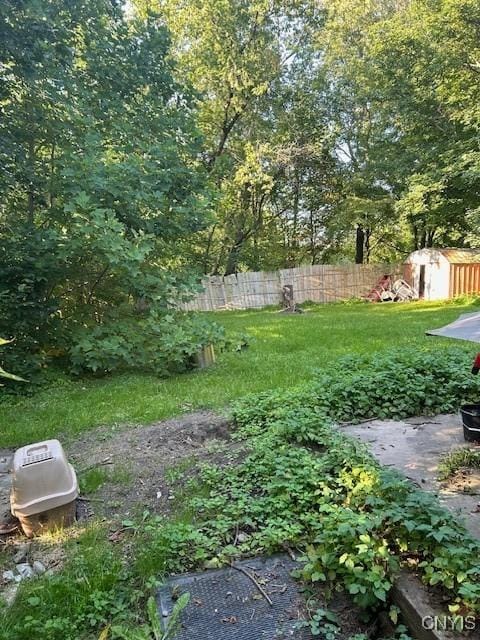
point(406, 71)
point(237, 55)
point(101, 183)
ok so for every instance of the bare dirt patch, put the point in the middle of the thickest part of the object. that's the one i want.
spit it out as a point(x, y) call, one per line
point(136, 461)
point(464, 480)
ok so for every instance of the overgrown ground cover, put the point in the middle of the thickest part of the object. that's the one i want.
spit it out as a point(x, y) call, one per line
point(299, 482)
point(284, 351)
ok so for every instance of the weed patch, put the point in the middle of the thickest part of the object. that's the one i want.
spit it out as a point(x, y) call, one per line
point(456, 460)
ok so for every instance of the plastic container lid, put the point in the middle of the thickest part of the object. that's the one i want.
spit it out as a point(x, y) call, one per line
point(42, 479)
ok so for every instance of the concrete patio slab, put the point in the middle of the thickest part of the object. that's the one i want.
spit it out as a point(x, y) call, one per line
point(414, 447)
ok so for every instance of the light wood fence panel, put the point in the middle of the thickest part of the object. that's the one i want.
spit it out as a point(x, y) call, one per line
point(317, 283)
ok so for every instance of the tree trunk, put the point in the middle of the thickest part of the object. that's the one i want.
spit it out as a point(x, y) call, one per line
point(206, 255)
point(359, 244)
point(234, 254)
point(31, 188)
point(415, 235)
point(292, 259)
point(232, 260)
point(423, 239)
point(313, 248)
point(430, 238)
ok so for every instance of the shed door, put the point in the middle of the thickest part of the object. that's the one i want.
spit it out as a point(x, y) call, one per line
point(421, 282)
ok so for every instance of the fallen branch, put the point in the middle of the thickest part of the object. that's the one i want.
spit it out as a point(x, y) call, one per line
point(352, 424)
point(255, 582)
point(97, 464)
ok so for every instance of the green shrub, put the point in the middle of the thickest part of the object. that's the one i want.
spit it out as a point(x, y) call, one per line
point(397, 384)
point(5, 374)
point(391, 384)
point(161, 344)
point(29, 264)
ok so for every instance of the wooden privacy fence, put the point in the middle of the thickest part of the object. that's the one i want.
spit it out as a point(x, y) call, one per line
point(318, 283)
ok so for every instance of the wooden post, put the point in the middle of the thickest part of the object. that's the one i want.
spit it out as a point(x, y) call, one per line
point(205, 357)
point(287, 297)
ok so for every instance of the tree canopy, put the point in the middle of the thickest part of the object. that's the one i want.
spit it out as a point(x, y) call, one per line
point(102, 184)
point(336, 131)
point(145, 144)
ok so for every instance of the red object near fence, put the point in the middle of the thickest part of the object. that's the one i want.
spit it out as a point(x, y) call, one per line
point(384, 284)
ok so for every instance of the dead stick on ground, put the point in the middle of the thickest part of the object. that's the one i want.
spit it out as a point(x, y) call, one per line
point(93, 466)
point(252, 578)
point(90, 499)
point(290, 552)
point(352, 424)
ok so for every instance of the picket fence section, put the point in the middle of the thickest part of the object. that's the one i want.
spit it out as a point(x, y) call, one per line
point(318, 283)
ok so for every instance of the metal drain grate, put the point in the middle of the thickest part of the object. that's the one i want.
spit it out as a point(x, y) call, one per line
point(226, 605)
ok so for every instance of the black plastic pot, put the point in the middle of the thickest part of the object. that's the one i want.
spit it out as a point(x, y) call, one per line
point(471, 422)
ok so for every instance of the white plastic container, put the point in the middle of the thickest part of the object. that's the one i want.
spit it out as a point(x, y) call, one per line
point(44, 487)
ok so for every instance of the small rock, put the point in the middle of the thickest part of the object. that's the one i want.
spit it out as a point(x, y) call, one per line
point(8, 576)
point(242, 537)
point(21, 553)
point(38, 567)
point(25, 570)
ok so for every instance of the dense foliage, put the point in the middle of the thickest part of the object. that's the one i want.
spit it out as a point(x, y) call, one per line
point(5, 374)
point(101, 184)
point(336, 130)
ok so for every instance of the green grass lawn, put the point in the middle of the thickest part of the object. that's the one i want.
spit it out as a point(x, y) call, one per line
point(283, 352)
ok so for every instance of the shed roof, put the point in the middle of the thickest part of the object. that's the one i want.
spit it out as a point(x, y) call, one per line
point(453, 256)
point(461, 256)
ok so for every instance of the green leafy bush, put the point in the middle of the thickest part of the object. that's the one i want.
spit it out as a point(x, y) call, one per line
point(28, 308)
point(391, 384)
point(161, 344)
point(5, 374)
point(397, 384)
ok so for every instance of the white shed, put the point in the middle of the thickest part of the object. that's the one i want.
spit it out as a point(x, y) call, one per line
point(437, 274)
